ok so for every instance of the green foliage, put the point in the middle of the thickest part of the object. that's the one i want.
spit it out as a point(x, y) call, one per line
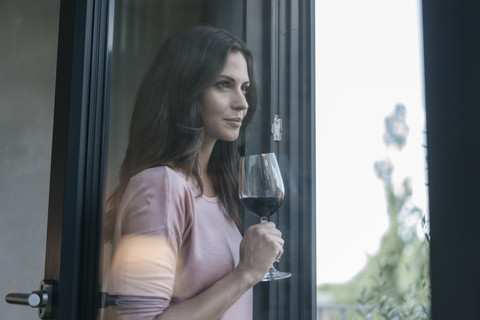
point(387, 298)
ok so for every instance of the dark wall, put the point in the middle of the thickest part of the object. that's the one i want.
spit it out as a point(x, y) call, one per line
point(452, 92)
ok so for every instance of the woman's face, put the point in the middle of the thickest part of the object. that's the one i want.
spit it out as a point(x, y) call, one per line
point(223, 103)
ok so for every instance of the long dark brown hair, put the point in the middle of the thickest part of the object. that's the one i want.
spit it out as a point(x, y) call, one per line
point(167, 126)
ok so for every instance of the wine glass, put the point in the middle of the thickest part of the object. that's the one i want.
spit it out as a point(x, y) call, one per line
point(262, 193)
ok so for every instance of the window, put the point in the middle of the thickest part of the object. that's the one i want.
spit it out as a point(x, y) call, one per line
point(371, 168)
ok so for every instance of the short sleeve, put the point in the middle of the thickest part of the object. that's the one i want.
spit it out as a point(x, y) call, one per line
point(157, 201)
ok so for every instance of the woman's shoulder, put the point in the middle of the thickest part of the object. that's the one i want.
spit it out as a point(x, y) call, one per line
point(158, 174)
point(160, 178)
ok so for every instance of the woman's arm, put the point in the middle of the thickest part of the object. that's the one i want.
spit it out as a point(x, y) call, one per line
point(261, 246)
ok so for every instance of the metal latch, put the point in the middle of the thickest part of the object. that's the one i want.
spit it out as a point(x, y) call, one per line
point(277, 128)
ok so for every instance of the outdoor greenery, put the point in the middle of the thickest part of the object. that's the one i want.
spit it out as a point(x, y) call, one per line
point(394, 284)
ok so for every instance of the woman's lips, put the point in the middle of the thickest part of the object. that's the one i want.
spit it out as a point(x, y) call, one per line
point(237, 122)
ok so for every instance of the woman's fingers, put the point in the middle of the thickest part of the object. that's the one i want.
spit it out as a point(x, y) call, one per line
point(265, 239)
point(279, 254)
point(261, 246)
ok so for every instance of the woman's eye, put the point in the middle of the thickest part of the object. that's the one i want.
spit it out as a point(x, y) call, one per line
point(245, 90)
point(223, 84)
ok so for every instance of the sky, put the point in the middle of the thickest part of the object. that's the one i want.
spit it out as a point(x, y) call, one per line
point(368, 60)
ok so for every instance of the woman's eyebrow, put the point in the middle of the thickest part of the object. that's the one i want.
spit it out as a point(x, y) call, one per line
point(231, 78)
point(226, 77)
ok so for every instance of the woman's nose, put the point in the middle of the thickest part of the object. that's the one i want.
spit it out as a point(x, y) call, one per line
point(240, 100)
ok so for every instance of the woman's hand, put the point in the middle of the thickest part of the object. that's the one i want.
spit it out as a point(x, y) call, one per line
point(261, 246)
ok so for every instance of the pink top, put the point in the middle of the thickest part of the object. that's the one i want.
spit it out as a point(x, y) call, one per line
point(169, 245)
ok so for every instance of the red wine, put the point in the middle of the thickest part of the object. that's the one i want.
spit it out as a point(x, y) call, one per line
point(261, 206)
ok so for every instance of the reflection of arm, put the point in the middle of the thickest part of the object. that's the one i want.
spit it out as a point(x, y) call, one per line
point(143, 265)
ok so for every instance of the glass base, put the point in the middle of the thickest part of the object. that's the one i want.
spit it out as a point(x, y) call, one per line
point(273, 275)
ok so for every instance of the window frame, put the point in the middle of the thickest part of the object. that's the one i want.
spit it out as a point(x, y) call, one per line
point(452, 78)
point(286, 68)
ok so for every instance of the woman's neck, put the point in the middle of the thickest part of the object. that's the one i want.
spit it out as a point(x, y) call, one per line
point(203, 158)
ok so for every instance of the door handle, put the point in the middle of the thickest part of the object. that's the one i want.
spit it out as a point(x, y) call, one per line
point(41, 299)
point(36, 299)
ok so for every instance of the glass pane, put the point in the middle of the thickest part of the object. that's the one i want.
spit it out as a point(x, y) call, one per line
point(372, 249)
point(28, 38)
point(140, 28)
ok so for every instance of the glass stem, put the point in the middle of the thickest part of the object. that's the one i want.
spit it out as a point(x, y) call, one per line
point(263, 219)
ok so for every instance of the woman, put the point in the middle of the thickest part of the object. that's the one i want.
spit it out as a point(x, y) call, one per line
point(178, 253)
